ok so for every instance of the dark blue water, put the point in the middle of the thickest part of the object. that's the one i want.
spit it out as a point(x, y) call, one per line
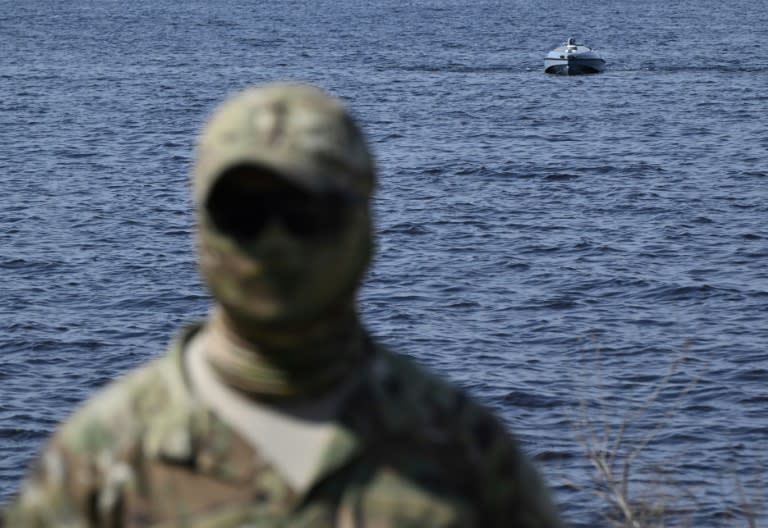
point(553, 244)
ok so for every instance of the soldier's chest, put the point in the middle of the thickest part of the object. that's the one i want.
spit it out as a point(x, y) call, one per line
point(369, 495)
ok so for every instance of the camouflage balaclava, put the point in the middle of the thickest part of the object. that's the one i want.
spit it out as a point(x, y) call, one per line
point(282, 181)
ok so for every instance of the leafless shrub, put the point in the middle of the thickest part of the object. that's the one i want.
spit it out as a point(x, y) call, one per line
point(613, 454)
point(638, 494)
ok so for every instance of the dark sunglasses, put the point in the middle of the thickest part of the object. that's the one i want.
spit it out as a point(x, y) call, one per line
point(243, 212)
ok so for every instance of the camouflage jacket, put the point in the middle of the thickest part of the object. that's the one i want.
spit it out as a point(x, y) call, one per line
point(409, 451)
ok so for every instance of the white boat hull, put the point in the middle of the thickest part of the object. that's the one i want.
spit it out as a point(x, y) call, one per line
point(574, 66)
point(573, 59)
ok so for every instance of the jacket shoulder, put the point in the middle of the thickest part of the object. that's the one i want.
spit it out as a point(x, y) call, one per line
point(472, 445)
point(146, 402)
point(119, 412)
point(419, 408)
point(89, 458)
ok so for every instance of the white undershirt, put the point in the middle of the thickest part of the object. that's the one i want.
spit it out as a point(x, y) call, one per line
point(292, 437)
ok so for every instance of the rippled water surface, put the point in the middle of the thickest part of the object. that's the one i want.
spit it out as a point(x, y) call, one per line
point(558, 246)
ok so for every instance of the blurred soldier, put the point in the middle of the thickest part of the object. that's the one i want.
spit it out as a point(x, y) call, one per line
point(280, 410)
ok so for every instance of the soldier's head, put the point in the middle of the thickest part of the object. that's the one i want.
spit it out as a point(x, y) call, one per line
point(282, 181)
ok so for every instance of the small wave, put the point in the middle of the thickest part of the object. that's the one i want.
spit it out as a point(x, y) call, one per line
point(687, 68)
point(518, 266)
point(760, 399)
point(13, 263)
point(455, 68)
point(687, 293)
point(464, 304)
point(699, 409)
point(545, 456)
point(560, 177)
point(13, 433)
point(408, 228)
point(71, 154)
point(529, 401)
point(755, 374)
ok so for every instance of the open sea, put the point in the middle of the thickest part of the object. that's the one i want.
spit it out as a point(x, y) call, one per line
point(586, 255)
